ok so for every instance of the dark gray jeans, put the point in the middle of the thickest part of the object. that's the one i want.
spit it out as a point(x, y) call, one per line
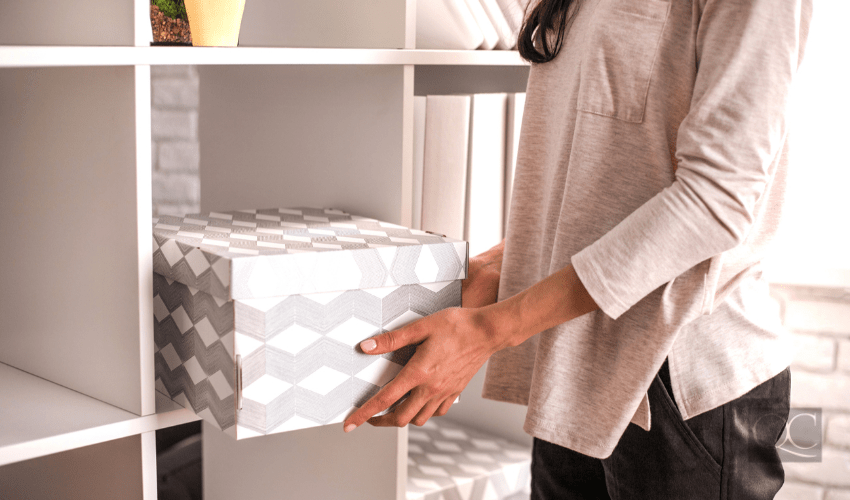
point(726, 453)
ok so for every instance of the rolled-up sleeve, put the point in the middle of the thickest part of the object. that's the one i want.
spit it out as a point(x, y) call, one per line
point(748, 53)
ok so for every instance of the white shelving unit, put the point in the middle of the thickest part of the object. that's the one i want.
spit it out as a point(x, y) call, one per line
point(279, 125)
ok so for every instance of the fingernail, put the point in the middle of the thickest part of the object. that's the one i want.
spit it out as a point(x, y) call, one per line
point(368, 344)
point(349, 427)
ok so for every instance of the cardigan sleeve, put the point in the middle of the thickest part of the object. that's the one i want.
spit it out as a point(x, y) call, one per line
point(748, 52)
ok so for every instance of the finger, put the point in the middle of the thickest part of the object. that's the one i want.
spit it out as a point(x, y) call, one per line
point(444, 407)
point(386, 397)
point(411, 407)
point(392, 341)
point(426, 412)
point(404, 412)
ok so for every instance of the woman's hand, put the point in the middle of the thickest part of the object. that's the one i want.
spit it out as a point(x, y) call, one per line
point(455, 343)
point(481, 287)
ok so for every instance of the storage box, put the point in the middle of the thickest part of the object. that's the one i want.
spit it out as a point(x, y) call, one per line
point(258, 314)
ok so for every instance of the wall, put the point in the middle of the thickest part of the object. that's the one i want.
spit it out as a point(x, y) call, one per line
point(819, 319)
point(176, 152)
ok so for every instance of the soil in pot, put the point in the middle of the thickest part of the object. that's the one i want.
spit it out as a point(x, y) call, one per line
point(168, 31)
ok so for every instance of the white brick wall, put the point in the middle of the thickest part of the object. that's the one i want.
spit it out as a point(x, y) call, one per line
point(819, 319)
point(796, 491)
point(176, 152)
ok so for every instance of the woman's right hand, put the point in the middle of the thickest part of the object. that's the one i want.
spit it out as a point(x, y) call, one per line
point(481, 287)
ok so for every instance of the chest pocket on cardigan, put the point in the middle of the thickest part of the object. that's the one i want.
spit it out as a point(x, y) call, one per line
point(618, 61)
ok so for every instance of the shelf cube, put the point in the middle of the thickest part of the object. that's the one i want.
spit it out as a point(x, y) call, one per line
point(259, 313)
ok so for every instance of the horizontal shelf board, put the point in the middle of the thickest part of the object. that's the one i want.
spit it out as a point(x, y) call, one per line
point(39, 418)
point(40, 56)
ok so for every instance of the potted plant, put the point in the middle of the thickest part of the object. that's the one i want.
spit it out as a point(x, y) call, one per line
point(169, 23)
point(215, 22)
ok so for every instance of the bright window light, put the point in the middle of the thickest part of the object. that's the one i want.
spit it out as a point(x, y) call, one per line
point(813, 246)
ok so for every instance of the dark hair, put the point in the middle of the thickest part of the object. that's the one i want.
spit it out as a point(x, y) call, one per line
point(548, 16)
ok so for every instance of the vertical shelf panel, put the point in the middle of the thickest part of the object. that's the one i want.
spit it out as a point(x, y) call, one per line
point(60, 22)
point(144, 238)
point(366, 24)
point(302, 136)
point(320, 462)
point(103, 471)
point(69, 291)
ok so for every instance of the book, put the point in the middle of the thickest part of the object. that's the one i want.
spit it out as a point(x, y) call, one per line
point(419, 106)
point(445, 159)
point(446, 24)
point(486, 172)
point(514, 11)
point(491, 37)
point(507, 38)
point(516, 106)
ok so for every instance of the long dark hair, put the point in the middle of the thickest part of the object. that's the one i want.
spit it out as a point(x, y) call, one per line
point(547, 16)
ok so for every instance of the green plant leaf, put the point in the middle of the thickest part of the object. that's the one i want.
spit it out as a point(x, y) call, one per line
point(172, 8)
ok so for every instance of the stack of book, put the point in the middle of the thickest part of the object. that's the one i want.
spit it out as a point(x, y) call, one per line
point(464, 161)
point(468, 24)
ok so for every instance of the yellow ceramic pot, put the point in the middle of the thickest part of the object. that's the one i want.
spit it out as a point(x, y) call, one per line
point(215, 23)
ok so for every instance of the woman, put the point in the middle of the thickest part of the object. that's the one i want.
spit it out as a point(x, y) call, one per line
point(650, 177)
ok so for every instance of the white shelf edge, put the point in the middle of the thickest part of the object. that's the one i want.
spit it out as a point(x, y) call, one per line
point(95, 435)
point(94, 421)
point(61, 56)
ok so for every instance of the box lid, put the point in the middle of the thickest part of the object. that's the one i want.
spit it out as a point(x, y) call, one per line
point(250, 254)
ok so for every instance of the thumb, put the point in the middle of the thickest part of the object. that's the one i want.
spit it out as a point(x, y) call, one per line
point(394, 340)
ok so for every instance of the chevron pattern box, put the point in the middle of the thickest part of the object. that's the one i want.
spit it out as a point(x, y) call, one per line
point(258, 313)
point(448, 461)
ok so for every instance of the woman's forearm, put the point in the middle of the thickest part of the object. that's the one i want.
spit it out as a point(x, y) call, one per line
point(552, 301)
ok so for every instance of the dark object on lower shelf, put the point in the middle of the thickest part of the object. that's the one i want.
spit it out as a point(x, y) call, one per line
point(179, 470)
point(170, 44)
point(178, 462)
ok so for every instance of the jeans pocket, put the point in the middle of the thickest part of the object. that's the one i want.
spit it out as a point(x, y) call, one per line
point(711, 423)
point(617, 64)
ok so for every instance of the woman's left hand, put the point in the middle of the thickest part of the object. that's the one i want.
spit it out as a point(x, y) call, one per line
point(455, 343)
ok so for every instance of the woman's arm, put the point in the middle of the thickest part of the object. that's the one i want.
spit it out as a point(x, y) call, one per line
point(481, 287)
point(456, 342)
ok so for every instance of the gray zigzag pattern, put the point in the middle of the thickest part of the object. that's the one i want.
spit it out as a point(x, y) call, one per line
point(395, 304)
point(426, 302)
point(257, 324)
point(372, 268)
point(326, 351)
point(448, 262)
point(182, 272)
point(420, 300)
point(253, 366)
point(404, 265)
point(304, 403)
point(201, 395)
point(497, 457)
point(211, 359)
point(301, 310)
point(190, 234)
point(196, 306)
